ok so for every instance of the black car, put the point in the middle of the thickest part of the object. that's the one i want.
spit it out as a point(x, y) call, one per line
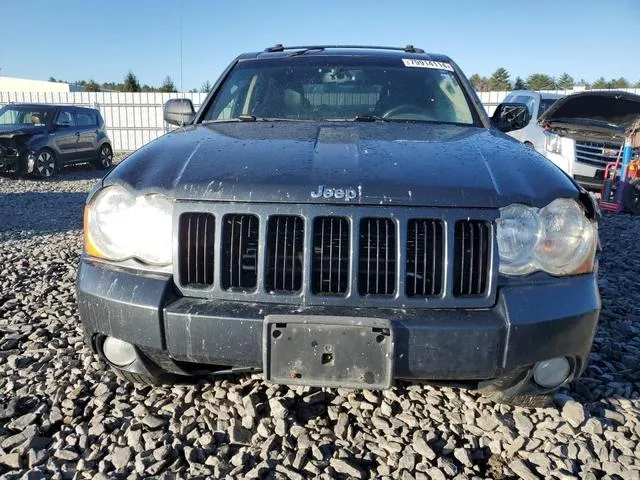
point(40, 139)
point(341, 216)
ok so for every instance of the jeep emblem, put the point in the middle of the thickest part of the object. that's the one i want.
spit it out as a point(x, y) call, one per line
point(346, 193)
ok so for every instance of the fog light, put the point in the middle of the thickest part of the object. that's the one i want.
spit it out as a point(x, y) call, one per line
point(551, 373)
point(118, 352)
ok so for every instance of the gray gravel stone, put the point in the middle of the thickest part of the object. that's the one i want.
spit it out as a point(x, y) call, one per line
point(121, 457)
point(573, 412)
point(22, 422)
point(422, 447)
point(522, 470)
point(11, 460)
point(347, 467)
point(153, 421)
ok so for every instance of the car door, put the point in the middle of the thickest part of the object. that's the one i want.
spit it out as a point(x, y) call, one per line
point(65, 135)
point(87, 126)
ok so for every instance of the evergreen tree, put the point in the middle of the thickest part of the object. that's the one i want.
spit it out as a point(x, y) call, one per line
point(565, 82)
point(168, 85)
point(481, 84)
point(130, 83)
point(540, 81)
point(500, 80)
point(519, 84)
point(619, 83)
point(91, 86)
point(600, 83)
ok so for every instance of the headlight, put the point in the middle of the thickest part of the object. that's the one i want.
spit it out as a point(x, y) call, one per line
point(558, 239)
point(553, 143)
point(119, 226)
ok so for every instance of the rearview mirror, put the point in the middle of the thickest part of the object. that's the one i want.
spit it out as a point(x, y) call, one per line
point(511, 116)
point(179, 111)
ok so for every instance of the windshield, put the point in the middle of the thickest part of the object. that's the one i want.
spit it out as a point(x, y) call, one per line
point(545, 103)
point(31, 116)
point(342, 89)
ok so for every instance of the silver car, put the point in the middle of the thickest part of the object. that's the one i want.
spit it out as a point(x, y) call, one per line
point(533, 134)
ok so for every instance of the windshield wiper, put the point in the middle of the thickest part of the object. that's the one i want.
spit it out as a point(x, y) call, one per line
point(250, 118)
point(367, 117)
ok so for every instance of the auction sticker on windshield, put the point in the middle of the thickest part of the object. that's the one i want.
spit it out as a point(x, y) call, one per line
point(414, 62)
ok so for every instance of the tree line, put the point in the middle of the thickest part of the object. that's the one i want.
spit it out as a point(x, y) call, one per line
point(500, 80)
point(130, 83)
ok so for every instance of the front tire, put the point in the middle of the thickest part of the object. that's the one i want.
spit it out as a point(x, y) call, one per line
point(105, 157)
point(44, 165)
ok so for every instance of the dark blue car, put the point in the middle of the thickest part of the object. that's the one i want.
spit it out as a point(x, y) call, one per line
point(40, 139)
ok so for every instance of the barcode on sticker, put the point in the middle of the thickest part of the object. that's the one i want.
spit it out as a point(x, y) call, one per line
point(414, 62)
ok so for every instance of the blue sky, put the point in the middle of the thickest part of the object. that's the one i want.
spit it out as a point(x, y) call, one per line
point(77, 39)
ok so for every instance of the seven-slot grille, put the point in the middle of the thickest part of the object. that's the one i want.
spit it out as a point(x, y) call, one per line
point(297, 251)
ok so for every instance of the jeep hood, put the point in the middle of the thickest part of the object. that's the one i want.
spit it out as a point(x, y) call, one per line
point(599, 114)
point(385, 163)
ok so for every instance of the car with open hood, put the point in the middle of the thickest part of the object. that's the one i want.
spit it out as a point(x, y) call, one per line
point(40, 139)
point(342, 216)
point(585, 131)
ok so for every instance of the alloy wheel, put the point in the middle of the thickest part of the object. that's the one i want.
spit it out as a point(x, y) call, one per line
point(45, 164)
point(106, 156)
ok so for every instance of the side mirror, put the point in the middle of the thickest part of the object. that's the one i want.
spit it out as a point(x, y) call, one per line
point(511, 116)
point(179, 111)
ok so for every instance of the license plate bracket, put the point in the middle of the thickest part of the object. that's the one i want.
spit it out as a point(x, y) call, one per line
point(328, 351)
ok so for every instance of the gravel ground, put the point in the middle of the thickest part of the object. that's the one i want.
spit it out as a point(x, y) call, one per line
point(62, 415)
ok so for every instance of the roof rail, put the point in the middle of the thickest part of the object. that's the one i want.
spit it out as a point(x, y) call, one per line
point(278, 47)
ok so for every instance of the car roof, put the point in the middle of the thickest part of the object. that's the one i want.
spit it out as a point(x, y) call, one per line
point(542, 94)
point(280, 51)
point(49, 105)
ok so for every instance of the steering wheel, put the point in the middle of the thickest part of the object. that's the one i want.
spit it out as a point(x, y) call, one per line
point(410, 109)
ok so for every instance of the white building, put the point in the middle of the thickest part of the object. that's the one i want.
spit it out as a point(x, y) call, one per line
point(12, 84)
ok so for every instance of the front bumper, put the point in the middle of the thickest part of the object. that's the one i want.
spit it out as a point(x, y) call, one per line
point(541, 320)
point(12, 160)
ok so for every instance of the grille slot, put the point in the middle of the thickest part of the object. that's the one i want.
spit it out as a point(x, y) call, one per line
point(285, 254)
point(471, 267)
point(330, 256)
point(196, 234)
point(239, 252)
point(377, 259)
point(425, 258)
